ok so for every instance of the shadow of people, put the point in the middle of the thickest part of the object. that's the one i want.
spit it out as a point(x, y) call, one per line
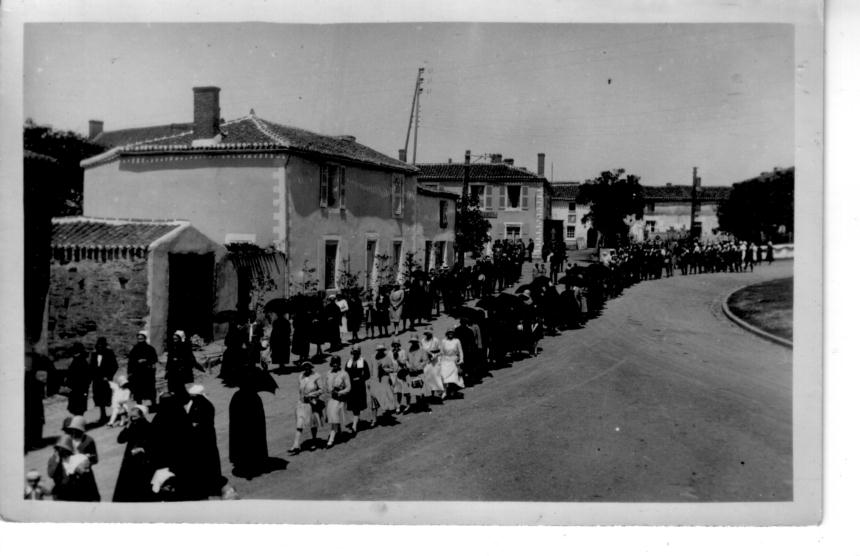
point(269, 465)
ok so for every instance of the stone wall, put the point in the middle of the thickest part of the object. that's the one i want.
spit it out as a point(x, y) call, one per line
point(88, 299)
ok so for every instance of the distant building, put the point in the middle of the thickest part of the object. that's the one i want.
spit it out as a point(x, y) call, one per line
point(666, 214)
point(512, 198)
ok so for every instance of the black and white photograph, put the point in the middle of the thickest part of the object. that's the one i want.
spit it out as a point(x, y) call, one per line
point(470, 268)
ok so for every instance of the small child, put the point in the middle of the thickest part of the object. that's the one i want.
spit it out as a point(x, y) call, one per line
point(33, 491)
point(120, 401)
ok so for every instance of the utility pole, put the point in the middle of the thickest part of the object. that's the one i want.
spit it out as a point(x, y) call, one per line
point(413, 114)
point(467, 162)
point(693, 205)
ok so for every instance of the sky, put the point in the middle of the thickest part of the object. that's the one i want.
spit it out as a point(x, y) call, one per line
point(654, 99)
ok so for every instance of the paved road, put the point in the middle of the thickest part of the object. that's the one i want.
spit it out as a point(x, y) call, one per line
point(660, 398)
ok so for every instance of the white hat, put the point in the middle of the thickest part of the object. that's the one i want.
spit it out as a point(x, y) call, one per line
point(195, 389)
point(181, 334)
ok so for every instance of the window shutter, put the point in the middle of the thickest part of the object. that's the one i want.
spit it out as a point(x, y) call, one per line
point(342, 184)
point(502, 203)
point(524, 204)
point(394, 195)
point(525, 229)
point(488, 203)
point(323, 186)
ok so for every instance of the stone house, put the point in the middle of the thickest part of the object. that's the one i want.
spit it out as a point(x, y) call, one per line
point(114, 277)
point(329, 203)
point(512, 198)
point(565, 210)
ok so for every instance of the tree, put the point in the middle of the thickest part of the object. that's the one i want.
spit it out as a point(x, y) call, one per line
point(612, 198)
point(760, 209)
point(472, 229)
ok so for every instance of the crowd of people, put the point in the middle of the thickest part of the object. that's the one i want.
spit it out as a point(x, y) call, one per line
point(168, 426)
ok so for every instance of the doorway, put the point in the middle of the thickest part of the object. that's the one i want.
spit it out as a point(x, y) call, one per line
point(190, 294)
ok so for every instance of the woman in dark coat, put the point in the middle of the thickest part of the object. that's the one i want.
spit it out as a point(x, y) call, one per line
point(141, 369)
point(301, 346)
point(235, 353)
point(181, 363)
point(249, 451)
point(206, 459)
point(78, 380)
point(103, 366)
point(135, 472)
point(172, 450)
point(359, 373)
point(354, 316)
point(279, 341)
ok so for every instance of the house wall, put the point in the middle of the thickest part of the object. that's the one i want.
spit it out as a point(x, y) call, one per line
point(367, 216)
point(219, 195)
point(88, 299)
point(561, 211)
point(428, 228)
point(674, 218)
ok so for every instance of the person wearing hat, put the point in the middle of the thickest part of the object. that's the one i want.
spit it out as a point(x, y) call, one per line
point(120, 399)
point(141, 369)
point(179, 369)
point(450, 359)
point(249, 450)
point(382, 399)
point(33, 491)
point(78, 380)
point(309, 407)
point(433, 384)
point(135, 471)
point(338, 385)
point(103, 366)
point(333, 317)
point(416, 361)
point(395, 307)
point(81, 441)
point(71, 473)
point(399, 383)
point(359, 373)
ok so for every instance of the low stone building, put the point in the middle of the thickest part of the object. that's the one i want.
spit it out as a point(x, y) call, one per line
point(113, 277)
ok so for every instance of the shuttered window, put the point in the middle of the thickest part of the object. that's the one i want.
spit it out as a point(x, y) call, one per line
point(488, 196)
point(323, 186)
point(502, 201)
point(342, 186)
point(397, 195)
point(524, 204)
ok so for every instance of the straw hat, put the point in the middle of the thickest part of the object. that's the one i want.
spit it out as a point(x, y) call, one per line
point(76, 424)
point(65, 443)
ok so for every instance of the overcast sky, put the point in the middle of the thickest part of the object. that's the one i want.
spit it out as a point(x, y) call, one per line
point(653, 99)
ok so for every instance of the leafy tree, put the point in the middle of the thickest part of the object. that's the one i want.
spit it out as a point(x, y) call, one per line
point(347, 281)
point(473, 230)
point(386, 271)
point(760, 209)
point(612, 198)
point(308, 282)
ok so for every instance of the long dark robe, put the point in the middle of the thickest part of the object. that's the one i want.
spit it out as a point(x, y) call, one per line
point(135, 472)
point(171, 448)
point(356, 398)
point(235, 355)
point(470, 348)
point(279, 341)
point(301, 335)
point(102, 375)
point(206, 458)
point(180, 366)
point(141, 371)
point(249, 451)
point(78, 381)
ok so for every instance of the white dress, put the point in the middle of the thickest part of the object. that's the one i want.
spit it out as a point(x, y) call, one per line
point(432, 377)
point(450, 361)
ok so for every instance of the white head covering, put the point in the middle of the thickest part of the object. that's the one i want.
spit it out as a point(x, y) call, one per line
point(144, 333)
point(181, 334)
point(195, 389)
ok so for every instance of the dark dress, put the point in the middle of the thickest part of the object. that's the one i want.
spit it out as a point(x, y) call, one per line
point(135, 472)
point(301, 335)
point(354, 315)
point(171, 448)
point(180, 366)
point(141, 371)
point(102, 375)
point(356, 398)
point(279, 341)
point(78, 382)
point(249, 450)
point(235, 355)
point(206, 458)
point(470, 348)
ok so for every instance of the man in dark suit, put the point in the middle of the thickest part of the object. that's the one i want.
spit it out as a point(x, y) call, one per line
point(103, 366)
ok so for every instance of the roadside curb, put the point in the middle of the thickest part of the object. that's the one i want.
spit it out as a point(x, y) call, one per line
point(749, 327)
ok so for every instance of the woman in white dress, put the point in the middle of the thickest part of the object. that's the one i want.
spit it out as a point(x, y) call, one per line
point(450, 359)
point(338, 386)
point(433, 385)
point(309, 407)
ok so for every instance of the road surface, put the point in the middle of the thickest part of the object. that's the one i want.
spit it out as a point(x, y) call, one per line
point(660, 398)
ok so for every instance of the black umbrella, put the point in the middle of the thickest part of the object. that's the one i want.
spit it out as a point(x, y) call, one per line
point(278, 306)
point(473, 313)
point(230, 315)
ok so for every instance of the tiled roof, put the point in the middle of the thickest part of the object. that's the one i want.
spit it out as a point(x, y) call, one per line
point(251, 133)
point(668, 193)
point(565, 190)
point(86, 231)
point(492, 172)
point(120, 137)
point(433, 192)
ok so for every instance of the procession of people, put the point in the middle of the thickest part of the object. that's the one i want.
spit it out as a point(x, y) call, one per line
point(171, 448)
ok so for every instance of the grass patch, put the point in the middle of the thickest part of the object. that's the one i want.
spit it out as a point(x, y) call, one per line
point(767, 305)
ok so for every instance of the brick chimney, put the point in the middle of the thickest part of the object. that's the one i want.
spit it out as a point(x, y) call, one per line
point(207, 113)
point(541, 160)
point(96, 127)
point(496, 158)
point(401, 155)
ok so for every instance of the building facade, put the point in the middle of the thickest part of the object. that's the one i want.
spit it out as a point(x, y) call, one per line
point(331, 204)
point(512, 198)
